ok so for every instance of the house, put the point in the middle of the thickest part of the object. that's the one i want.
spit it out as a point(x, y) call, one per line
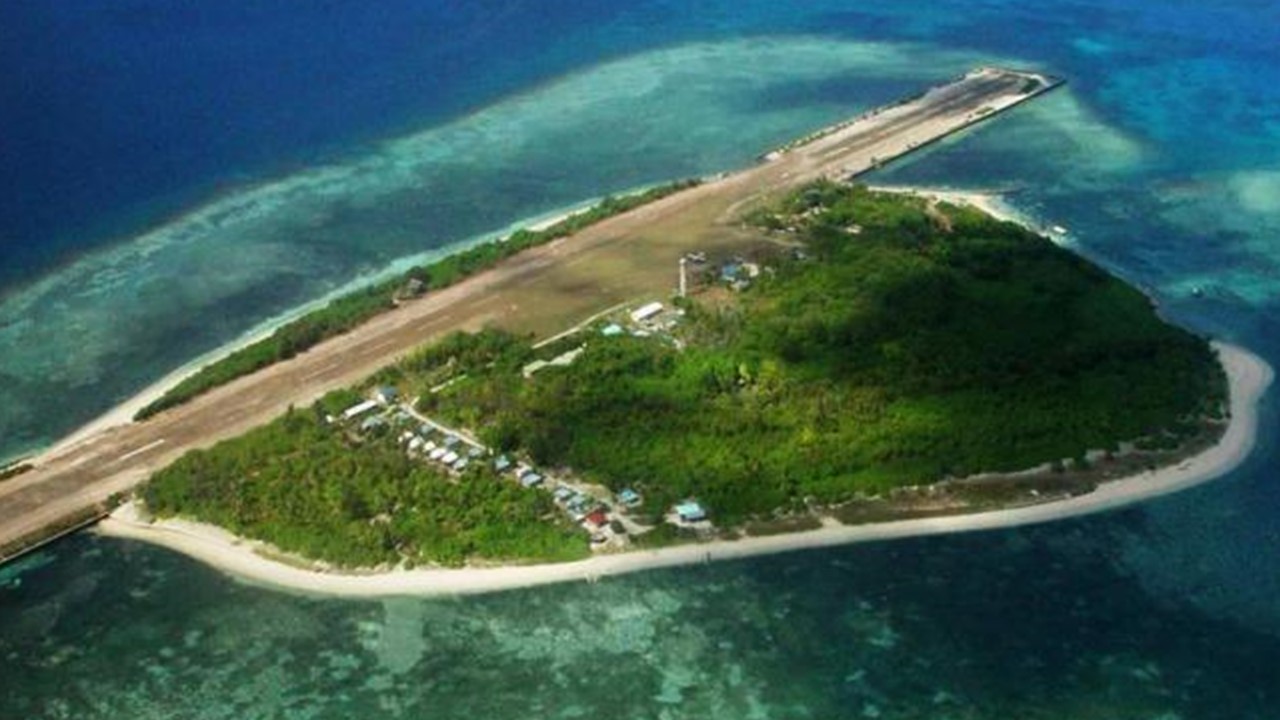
point(415, 443)
point(475, 452)
point(629, 497)
point(437, 453)
point(449, 458)
point(644, 312)
point(451, 440)
point(690, 511)
point(461, 464)
point(386, 395)
point(563, 492)
point(356, 411)
point(372, 424)
point(532, 479)
point(502, 464)
point(597, 519)
point(729, 271)
point(612, 330)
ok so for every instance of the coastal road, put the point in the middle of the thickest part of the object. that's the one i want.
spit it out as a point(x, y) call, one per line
point(626, 258)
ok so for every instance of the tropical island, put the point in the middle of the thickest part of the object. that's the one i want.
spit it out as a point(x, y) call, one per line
point(771, 358)
point(881, 355)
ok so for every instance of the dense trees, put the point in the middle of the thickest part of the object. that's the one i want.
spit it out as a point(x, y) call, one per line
point(913, 342)
point(916, 343)
point(308, 488)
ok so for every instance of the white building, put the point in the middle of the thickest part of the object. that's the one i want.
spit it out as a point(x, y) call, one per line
point(644, 312)
point(356, 411)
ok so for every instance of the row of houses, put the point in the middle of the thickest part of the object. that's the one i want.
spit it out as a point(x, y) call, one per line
point(431, 442)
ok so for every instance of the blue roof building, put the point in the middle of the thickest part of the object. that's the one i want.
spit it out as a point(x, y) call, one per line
point(690, 511)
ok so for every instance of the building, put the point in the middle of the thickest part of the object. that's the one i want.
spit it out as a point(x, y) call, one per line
point(597, 519)
point(629, 497)
point(386, 395)
point(531, 479)
point(502, 464)
point(612, 330)
point(690, 511)
point(644, 312)
point(356, 411)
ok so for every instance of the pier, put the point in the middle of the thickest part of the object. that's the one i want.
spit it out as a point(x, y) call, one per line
point(542, 290)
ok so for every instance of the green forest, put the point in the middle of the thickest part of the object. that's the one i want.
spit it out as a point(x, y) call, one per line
point(914, 342)
point(310, 488)
point(908, 343)
point(349, 311)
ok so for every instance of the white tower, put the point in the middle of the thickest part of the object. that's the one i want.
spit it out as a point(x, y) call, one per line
point(684, 277)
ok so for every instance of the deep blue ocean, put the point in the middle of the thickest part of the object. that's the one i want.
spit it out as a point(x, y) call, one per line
point(176, 174)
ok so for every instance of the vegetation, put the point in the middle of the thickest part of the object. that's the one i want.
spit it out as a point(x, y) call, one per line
point(349, 311)
point(917, 343)
point(911, 342)
point(13, 470)
point(309, 488)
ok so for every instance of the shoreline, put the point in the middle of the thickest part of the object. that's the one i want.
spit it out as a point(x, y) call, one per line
point(989, 202)
point(1248, 376)
point(123, 413)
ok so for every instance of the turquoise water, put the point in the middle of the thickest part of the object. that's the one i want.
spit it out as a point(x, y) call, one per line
point(1162, 157)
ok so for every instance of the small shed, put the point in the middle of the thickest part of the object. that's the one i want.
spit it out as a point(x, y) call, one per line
point(612, 330)
point(356, 411)
point(644, 312)
point(690, 511)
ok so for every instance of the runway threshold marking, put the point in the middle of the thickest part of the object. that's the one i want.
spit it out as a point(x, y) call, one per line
point(139, 451)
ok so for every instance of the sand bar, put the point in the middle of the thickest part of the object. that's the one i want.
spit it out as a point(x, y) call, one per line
point(1248, 376)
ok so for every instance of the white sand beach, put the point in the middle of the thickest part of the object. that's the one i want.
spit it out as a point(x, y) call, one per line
point(1249, 376)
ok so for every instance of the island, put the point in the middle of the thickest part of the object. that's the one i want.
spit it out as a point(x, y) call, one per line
point(877, 357)
point(761, 360)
